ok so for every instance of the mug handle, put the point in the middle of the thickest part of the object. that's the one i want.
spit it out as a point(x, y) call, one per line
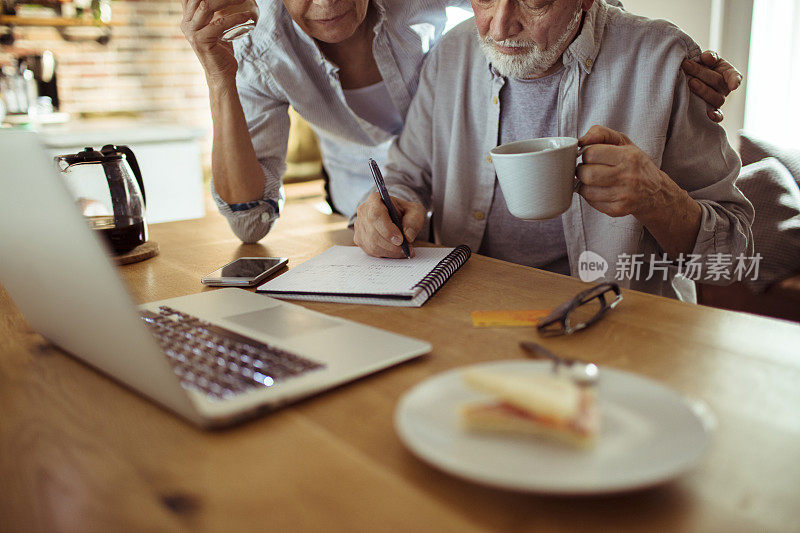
point(577, 183)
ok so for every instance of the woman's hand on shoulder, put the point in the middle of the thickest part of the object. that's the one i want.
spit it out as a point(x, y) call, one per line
point(712, 79)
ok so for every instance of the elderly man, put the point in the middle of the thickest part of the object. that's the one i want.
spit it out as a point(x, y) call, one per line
point(658, 178)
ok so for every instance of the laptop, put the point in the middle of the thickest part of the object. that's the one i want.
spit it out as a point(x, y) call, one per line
point(214, 358)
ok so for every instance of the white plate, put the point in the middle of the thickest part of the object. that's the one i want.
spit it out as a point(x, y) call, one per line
point(649, 435)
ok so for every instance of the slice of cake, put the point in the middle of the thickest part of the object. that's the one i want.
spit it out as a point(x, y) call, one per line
point(537, 404)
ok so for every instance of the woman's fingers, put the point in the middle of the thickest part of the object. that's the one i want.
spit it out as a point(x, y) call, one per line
point(212, 31)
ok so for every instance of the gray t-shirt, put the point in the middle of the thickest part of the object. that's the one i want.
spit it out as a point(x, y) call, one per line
point(528, 109)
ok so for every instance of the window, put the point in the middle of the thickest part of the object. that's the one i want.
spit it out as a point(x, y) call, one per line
point(772, 109)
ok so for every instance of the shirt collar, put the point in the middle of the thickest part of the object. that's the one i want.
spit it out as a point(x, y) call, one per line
point(586, 46)
point(381, 10)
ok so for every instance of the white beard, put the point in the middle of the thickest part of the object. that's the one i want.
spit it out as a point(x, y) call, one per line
point(530, 64)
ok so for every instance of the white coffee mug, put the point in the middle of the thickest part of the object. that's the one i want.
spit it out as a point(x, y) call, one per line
point(537, 176)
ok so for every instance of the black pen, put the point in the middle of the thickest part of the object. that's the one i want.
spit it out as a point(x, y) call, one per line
point(376, 173)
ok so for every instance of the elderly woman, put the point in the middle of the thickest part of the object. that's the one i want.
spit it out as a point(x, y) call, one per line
point(348, 67)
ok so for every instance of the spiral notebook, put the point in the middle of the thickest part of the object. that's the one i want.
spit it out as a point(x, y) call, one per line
point(346, 274)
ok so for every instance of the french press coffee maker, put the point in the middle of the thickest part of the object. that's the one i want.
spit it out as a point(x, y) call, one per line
point(107, 194)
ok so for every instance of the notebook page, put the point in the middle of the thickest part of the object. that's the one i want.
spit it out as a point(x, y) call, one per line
point(348, 270)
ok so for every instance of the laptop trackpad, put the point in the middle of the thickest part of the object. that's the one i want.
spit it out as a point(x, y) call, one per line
point(282, 321)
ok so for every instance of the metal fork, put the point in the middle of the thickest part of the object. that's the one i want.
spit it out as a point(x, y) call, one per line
point(584, 374)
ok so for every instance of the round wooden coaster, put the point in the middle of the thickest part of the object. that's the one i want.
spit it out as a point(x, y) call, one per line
point(140, 253)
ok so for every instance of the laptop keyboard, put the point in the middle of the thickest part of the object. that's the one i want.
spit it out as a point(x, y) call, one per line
point(217, 361)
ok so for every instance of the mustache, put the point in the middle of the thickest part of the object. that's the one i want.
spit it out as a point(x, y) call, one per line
point(510, 43)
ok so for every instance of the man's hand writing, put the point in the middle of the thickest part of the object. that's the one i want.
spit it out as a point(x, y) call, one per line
point(377, 235)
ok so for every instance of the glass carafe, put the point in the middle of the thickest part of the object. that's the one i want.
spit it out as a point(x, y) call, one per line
point(109, 191)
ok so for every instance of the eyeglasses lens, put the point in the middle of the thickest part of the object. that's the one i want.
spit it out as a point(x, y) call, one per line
point(584, 313)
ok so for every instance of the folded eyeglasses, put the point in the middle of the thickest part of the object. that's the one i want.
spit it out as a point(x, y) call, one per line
point(581, 311)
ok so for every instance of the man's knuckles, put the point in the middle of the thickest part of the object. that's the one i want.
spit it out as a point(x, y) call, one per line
point(597, 131)
point(634, 160)
point(370, 209)
point(598, 134)
point(586, 173)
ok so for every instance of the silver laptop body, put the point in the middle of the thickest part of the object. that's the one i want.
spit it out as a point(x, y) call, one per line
point(58, 274)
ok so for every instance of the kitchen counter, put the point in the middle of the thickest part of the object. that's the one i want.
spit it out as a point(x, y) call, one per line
point(168, 154)
point(98, 133)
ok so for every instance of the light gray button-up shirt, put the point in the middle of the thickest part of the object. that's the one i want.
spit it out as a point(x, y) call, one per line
point(281, 66)
point(622, 72)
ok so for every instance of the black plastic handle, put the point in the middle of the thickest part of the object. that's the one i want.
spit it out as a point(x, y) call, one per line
point(133, 164)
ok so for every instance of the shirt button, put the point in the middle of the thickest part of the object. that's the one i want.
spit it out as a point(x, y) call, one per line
point(588, 63)
point(488, 158)
point(479, 215)
point(494, 100)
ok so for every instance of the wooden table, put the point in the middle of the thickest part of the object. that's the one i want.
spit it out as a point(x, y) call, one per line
point(80, 453)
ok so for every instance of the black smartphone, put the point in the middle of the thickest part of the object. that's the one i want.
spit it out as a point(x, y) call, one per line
point(244, 272)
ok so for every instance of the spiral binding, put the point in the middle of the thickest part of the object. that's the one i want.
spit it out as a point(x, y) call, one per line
point(437, 277)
